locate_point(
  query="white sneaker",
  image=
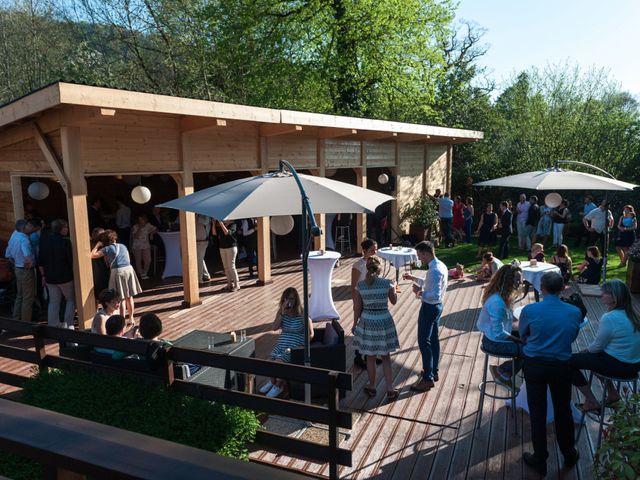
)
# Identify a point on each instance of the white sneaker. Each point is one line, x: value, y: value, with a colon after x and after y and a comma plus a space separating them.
x: 274, y: 392
x: 266, y: 387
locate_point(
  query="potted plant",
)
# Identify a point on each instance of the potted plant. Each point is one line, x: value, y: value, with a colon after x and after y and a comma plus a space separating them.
x: 422, y: 216
x: 633, y: 267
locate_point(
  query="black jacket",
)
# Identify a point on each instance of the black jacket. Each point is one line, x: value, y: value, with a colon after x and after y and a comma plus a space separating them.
x: 506, y: 223
x: 56, y: 259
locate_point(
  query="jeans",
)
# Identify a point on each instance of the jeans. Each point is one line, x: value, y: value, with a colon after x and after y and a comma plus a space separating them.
x: 524, y: 242
x: 503, y: 251
x: 56, y: 292
x: 505, y: 348
x: 446, y: 230
x: 558, y: 229
x: 556, y: 374
x: 428, y: 340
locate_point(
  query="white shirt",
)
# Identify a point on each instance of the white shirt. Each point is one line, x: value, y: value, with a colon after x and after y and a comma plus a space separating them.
x: 203, y: 227
x: 434, y: 283
x: 19, y: 249
x: 523, y: 211
x: 361, y: 266
x: 445, y: 207
x: 496, y: 319
x: 597, y: 217
x: 616, y: 337
x: 246, y: 229
x: 123, y: 217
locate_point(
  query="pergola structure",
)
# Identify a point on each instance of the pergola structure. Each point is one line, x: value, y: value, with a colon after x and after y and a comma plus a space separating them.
x: 73, y: 132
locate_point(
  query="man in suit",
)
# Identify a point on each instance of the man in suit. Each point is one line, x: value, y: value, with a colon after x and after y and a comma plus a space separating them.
x: 506, y: 229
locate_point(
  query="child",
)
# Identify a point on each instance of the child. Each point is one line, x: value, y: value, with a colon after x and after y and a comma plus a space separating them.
x: 115, y: 328
x: 457, y: 273
x: 591, y: 268
x: 536, y: 253
x: 151, y: 327
x: 563, y: 261
x: 141, y: 232
x: 489, y: 266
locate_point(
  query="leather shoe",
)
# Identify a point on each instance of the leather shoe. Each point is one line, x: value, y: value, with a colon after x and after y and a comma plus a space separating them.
x: 422, y: 385
x: 571, y: 461
x: 539, y: 466
x: 435, y: 376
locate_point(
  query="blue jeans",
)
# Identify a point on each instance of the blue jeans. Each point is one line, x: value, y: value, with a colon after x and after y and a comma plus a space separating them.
x: 428, y: 340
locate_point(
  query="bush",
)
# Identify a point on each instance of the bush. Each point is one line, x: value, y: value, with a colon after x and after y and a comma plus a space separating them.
x: 128, y: 403
x: 619, y: 453
x: 422, y: 212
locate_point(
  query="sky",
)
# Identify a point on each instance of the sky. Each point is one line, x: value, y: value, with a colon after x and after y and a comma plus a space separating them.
x: 525, y: 33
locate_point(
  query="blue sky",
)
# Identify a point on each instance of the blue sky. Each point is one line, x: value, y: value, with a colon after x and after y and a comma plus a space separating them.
x: 526, y: 33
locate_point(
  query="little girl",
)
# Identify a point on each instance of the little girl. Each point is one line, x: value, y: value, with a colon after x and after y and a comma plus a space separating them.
x: 141, y: 232
x: 537, y: 252
x: 563, y: 261
x: 457, y: 272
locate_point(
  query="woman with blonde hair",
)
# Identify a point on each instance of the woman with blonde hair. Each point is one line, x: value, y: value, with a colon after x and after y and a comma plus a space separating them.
x: 373, y: 327
x: 496, y: 321
x: 615, y: 352
x: 627, y: 226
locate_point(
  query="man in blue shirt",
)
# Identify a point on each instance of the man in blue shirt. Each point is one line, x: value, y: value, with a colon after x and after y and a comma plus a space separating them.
x: 549, y: 328
x: 445, y: 211
x: 20, y: 253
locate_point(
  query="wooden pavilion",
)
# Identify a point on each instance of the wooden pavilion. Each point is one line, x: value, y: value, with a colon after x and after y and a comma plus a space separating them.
x: 72, y: 133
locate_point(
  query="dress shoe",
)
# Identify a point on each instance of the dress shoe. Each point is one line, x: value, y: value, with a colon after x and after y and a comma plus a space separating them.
x: 539, y: 466
x: 422, y: 385
x: 572, y: 460
x: 435, y: 376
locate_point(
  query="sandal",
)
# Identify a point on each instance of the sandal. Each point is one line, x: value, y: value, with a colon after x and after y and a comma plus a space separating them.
x: 393, y: 394
x: 370, y: 391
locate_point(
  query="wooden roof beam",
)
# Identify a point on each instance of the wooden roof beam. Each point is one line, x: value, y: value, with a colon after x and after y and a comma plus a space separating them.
x: 375, y: 136
x: 274, y: 129
x: 411, y: 137
x: 200, y: 124
x: 51, y: 156
x: 328, y: 132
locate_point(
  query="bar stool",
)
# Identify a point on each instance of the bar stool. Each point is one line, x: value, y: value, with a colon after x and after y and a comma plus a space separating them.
x: 617, y: 382
x: 513, y: 391
x: 343, y: 242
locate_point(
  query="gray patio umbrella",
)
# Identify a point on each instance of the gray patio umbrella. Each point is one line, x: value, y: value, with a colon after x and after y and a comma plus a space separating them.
x: 555, y: 178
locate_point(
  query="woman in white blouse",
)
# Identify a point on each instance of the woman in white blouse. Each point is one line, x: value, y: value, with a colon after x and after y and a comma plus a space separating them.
x: 615, y: 352
x: 496, y: 321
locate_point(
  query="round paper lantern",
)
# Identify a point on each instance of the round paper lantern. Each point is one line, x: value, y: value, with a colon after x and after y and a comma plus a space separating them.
x: 553, y: 200
x: 38, y: 191
x: 141, y: 194
x: 383, y: 179
x: 330, y: 172
x: 281, y: 224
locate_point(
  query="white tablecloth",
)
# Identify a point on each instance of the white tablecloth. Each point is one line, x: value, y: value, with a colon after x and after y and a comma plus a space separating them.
x: 173, y: 256
x: 321, y: 305
x: 534, y: 274
x: 398, y: 258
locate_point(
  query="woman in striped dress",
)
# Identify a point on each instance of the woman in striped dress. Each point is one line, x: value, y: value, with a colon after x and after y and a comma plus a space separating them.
x: 374, y: 329
x: 289, y: 319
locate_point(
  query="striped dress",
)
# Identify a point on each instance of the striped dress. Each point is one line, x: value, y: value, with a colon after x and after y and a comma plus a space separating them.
x: 292, y: 336
x: 376, y: 332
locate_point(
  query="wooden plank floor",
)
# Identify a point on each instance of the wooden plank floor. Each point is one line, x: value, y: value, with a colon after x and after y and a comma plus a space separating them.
x: 420, y: 435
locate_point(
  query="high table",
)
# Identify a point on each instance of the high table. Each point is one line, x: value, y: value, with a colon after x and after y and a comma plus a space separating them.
x: 398, y: 256
x: 172, y: 254
x: 534, y: 274
x: 321, y: 305
x: 219, y: 343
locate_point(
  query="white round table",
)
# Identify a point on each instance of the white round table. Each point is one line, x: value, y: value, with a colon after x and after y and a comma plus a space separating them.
x: 398, y: 256
x: 534, y: 274
x: 321, y: 305
x: 172, y: 254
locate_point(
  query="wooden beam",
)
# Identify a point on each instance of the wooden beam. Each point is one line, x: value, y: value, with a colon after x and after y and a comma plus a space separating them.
x: 188, y: 247
x: 264, y: 223
x: 449, y: 167
x: 411, y: 137
x: 366, y: 136
x: 16, y: 195
x: 78, y: 225
x: 328, y: 132
x: 320, y: 243
x: 200, y: 124
x: 395, y: 214
x: 361, y: 218
x: 52, y: 157
x: 274, y: 129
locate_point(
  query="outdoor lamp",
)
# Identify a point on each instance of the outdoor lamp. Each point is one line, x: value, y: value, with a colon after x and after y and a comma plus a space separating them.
x: 141, y: 194
x: 281, y: 224
x: 38, y: 191
x: 383, y: 179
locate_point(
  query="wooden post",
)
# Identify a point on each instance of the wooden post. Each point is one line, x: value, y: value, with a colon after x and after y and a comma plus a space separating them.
x: 361, y: 218
x: 188, y: 230
x: 78, y: 225
x: 334, y: 432
x: 449, y: 168
x: 425, y: 166
x: 16, y: 195
x: 320, y: 243
x: 264, y: 223
x: 395, y: 214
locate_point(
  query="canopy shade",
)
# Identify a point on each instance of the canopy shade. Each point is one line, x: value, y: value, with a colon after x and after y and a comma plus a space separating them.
x: 277, y: 194
x: 558, y: 179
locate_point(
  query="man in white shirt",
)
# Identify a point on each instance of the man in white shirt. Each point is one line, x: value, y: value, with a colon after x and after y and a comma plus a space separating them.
x: 20, y: 253
x: 445, y: 211
x: 522, y: 210
x: 123, y: 222
x: 431, y: 290
x: 596, y: 222
x: 203, y: 228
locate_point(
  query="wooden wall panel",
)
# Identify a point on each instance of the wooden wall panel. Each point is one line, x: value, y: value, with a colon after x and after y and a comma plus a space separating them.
x: 224, y: 148
x: 411, y: 159
x: 6, y: 209
x: 300, y: 151
x: 380, y: 154
x: 436, y: 168
x: 129, y: 149
x: 342, y: 153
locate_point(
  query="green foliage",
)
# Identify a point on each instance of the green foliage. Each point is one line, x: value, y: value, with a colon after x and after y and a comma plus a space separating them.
x: 619, y: 454
x: 422, y: 212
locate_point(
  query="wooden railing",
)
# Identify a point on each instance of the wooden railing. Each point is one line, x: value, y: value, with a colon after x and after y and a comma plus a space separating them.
x: 329, y: 415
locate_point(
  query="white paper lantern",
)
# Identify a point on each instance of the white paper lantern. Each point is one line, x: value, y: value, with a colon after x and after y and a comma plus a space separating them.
x: 330, y: 172
x: 141, y: 194
x: 383, y: 179
x: 281, y: 224
x: 38, y: 191
x: 553, y: 200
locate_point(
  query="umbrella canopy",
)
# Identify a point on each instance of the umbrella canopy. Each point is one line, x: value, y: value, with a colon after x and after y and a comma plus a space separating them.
x: 277, y: 194
x: 558, y: 179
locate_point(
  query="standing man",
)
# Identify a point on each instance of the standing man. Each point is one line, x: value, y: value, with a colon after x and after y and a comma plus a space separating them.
x: 549, y: 328
x: 96, y: 220
x: 55, y: 261
x: 596, y: 222
x: 583, y: 232
x: 203, y: 228
x: 123, y: 222
x: 506, y: 229
x: 19, y: 252
x: 431, y: 290
x: 522, y: 213
x: 250, y: 241
x: 445, y: 210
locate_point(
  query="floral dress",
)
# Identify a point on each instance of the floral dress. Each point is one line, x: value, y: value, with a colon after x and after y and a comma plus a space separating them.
x: 376, y: 332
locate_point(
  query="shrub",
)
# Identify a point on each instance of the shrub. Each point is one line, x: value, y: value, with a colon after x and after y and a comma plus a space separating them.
x: 128, y: 403
x: 422, y: 212
x: 619, y: 453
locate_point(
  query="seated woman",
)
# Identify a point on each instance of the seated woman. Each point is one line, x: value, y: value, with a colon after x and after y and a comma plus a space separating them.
x: 615, y: 352
x: 488, y: 267
x: 536, y: 253
x: 496, y: 321
x: 289, y: 319
x: 591, y: 268
x: 110, y: 302
x: 563, y: 261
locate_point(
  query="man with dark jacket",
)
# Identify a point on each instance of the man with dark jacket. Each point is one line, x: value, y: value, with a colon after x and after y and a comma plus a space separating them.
x: 506, y: 229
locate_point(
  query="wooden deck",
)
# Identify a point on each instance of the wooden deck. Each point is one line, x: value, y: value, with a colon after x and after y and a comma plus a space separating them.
x: 420, y: 435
